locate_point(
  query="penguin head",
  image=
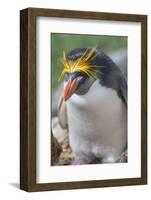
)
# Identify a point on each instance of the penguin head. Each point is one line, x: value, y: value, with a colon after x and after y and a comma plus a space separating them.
x: 82, y: 66
x: 79, y: 71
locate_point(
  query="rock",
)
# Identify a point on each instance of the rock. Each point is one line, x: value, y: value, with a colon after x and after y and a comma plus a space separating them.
x: 123, y: 157
x: 120, y: 58
x: 56, y: 150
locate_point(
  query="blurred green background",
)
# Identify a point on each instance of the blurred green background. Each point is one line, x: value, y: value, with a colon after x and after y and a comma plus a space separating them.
x: 66, y: 42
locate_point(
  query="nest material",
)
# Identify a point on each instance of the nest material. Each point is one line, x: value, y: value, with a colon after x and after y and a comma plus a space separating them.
x: 56, y: 150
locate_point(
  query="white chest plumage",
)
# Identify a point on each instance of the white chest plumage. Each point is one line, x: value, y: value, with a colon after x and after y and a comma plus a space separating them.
x: 97, y: 124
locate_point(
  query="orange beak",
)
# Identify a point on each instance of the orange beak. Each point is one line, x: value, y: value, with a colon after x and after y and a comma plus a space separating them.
x: 71, y: 87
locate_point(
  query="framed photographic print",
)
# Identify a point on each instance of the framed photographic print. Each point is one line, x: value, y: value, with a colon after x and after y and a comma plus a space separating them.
x: 83, y: 99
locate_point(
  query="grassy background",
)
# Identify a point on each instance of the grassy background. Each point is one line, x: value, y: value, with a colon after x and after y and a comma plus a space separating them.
x: 65, y: 42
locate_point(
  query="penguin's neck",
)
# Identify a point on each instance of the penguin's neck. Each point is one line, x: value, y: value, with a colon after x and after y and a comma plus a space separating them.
x: 96, y: 94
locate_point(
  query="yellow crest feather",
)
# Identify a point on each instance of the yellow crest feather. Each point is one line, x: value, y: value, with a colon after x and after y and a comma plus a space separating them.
x: 79, y: 65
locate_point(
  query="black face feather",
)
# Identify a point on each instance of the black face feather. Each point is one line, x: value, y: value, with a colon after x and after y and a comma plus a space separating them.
x: 83, y: 85
x: 106, y: 71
